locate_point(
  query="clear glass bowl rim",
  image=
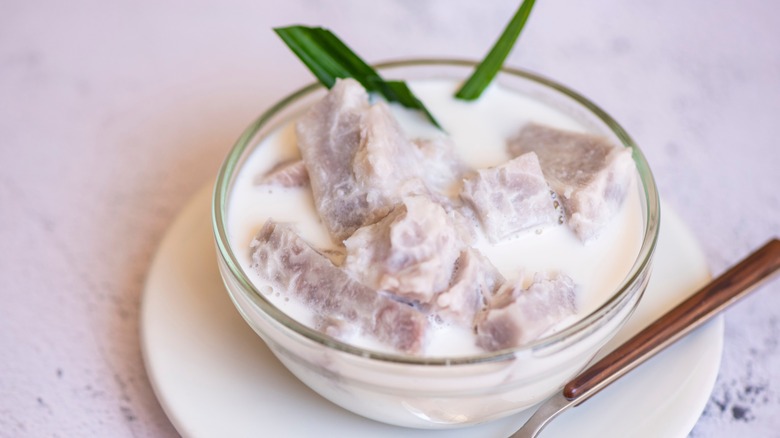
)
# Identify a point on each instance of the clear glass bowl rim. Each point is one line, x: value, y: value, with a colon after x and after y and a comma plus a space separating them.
x: 623, y: 292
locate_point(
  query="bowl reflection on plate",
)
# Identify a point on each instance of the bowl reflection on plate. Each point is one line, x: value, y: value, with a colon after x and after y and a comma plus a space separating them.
x: 436, y: 392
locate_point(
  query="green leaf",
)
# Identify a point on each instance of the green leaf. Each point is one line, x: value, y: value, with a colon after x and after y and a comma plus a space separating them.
x: 486, y: 71
x: 330, y: 59
x: 398, y: 91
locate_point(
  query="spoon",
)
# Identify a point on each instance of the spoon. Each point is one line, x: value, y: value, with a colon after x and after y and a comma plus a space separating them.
x: 673, y: 325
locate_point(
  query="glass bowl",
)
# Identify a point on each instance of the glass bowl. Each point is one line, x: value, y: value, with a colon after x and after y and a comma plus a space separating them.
x: 441, y: 392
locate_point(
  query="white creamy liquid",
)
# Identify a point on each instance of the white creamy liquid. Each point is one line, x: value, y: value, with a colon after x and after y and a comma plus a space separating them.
x: 480, y: 130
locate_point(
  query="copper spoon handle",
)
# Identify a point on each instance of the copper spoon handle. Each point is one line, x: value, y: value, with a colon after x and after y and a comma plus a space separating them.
x: 681, y: 320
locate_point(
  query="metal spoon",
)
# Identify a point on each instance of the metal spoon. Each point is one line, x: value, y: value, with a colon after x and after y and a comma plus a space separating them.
x: 676, y: 323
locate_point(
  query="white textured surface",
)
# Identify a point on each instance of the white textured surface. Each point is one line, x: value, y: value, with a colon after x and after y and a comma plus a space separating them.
x: 113, y: 113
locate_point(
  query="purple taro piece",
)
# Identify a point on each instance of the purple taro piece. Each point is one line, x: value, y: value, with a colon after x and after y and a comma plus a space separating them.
x: 590, y: 174
x: 328, y: 137
x: 290, y: 265
x: 410, y: 253
x: 386, y: 163
x: 473, y: 281
x: 443, y: 170
x: 359, y: 161
x: 516, y: 316
x: 290, y: 173
x: 511, y: 198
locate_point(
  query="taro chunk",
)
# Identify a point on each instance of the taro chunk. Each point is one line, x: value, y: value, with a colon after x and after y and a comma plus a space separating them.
x: 328, y: 136
x: 591, y: 175
x: 443, y: 170
x: 359, y: 162
x: 511, y: 198
x: 386, y: 163
x: 411, y: 253
x: 290, y: 173
x: 340, y: 305
x: 473, y: 280
x: 517, y: 316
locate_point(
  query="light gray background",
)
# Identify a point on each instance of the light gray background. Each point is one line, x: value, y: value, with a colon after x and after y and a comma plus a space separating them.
x: 112, y: 114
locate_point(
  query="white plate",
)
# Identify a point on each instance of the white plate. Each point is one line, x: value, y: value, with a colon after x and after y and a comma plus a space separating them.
x: 215, y: 377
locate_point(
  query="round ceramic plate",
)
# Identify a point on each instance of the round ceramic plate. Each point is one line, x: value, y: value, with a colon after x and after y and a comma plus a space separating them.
x: 215, y: 377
